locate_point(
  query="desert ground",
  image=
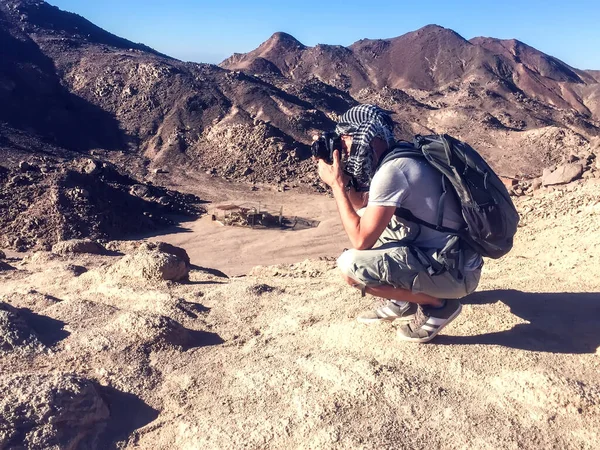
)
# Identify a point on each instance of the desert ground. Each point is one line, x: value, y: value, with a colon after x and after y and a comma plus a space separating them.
x: 259, y: 348
x: 204, y: 336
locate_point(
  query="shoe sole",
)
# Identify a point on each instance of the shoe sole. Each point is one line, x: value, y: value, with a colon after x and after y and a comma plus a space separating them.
x: 368, y: 321
x: 434, y: 334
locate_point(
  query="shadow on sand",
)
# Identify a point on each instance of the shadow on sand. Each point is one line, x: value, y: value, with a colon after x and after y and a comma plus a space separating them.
x: 127, y: 413
x: 48, y: 330
x: 213, y: 272
x: 199, y: 338
x: 558, y: 322
x: 5, y: 266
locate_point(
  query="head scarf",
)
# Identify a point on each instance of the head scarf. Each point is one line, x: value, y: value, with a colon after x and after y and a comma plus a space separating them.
x: 363, y: 123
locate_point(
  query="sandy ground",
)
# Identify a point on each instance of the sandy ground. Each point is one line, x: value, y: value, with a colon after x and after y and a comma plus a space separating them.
x: 236, y: 250
x: 274, y: 359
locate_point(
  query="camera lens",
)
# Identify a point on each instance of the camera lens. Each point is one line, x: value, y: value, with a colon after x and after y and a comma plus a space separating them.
x: 324, y: 146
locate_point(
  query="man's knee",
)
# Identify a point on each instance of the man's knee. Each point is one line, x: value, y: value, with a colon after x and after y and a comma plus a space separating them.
x: 347, y: 263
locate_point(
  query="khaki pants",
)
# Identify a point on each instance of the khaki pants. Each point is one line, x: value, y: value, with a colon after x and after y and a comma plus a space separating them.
x: 393, y: 261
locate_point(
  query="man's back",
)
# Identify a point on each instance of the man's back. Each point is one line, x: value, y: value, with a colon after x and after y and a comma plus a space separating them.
x: 413, y: 184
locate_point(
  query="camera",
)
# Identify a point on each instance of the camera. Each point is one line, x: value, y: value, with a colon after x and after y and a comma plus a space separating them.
x: 323, y: 147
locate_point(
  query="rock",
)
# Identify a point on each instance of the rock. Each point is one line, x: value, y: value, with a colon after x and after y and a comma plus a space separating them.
x: 15, y: 333
x: 572, y: 158
x: 2, y: 255
x: 24, y: 166
x: 19, y: 244
x: 41, y: 257
x: 160, y: 171
x: 75, y: 269
x: 156, y: 331
x: 536, y: 184
x: 563, y: 174
x: 585, y: 157
x: 77, y: 246
x: 166, y: 248
x: 50, y: 411
x: 122, y: 246
x: 508, y: 182
x: 31, y: 300
x: 152, y: 265
x: 139, y: 190
x: 259, y: 289
x: 21, y: 180
x: 91, y: 167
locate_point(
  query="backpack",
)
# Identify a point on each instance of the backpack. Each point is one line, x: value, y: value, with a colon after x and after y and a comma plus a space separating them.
x: 487, y: 208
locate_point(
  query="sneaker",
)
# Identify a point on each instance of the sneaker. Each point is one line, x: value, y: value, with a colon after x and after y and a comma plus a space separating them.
x: 388, y: 312
x: 428, y: 322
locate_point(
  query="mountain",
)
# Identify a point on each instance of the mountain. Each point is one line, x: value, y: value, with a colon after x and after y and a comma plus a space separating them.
x: 523, y: 109
x: 70, y: 90
x: 82, y: 89
x: 430, y: 58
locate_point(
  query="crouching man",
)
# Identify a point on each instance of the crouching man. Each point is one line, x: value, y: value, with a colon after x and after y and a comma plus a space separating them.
x: 401, y: 262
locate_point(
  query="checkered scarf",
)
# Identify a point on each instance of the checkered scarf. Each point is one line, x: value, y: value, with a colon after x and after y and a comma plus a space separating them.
x: 363, y: 123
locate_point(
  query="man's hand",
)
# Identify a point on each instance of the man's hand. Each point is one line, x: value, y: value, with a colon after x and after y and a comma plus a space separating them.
x: 332, y: 174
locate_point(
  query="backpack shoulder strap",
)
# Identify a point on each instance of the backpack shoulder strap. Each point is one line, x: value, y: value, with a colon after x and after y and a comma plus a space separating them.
x: 402, y: 149
x: 404, y: 213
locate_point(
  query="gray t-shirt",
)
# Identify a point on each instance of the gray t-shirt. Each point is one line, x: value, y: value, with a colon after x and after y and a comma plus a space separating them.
x: 413, y: 184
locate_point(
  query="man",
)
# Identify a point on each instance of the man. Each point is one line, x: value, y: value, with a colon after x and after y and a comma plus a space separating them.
x: 392, y: 258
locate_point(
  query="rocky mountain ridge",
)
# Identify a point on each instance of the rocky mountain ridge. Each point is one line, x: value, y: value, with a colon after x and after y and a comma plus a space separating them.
x: 70, y: 90
x: 503, y: 96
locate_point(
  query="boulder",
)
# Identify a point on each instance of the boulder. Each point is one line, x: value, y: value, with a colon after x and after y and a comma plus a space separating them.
x: 50, y: 411
x: 153, y: 265
x: 166, y: 248
x: 77, y: 246
x: 139, y: 190
x: 509, y: 183
x: 91, y: 167
x: 15, y: 333
x: 562, y: 175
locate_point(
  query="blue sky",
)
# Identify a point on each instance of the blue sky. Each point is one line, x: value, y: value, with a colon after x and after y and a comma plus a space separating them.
x: 210, y: 31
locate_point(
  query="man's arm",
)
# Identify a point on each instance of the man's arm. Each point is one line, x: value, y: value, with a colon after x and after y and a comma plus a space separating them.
x: 364, y: 231
x: 357, y: 199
